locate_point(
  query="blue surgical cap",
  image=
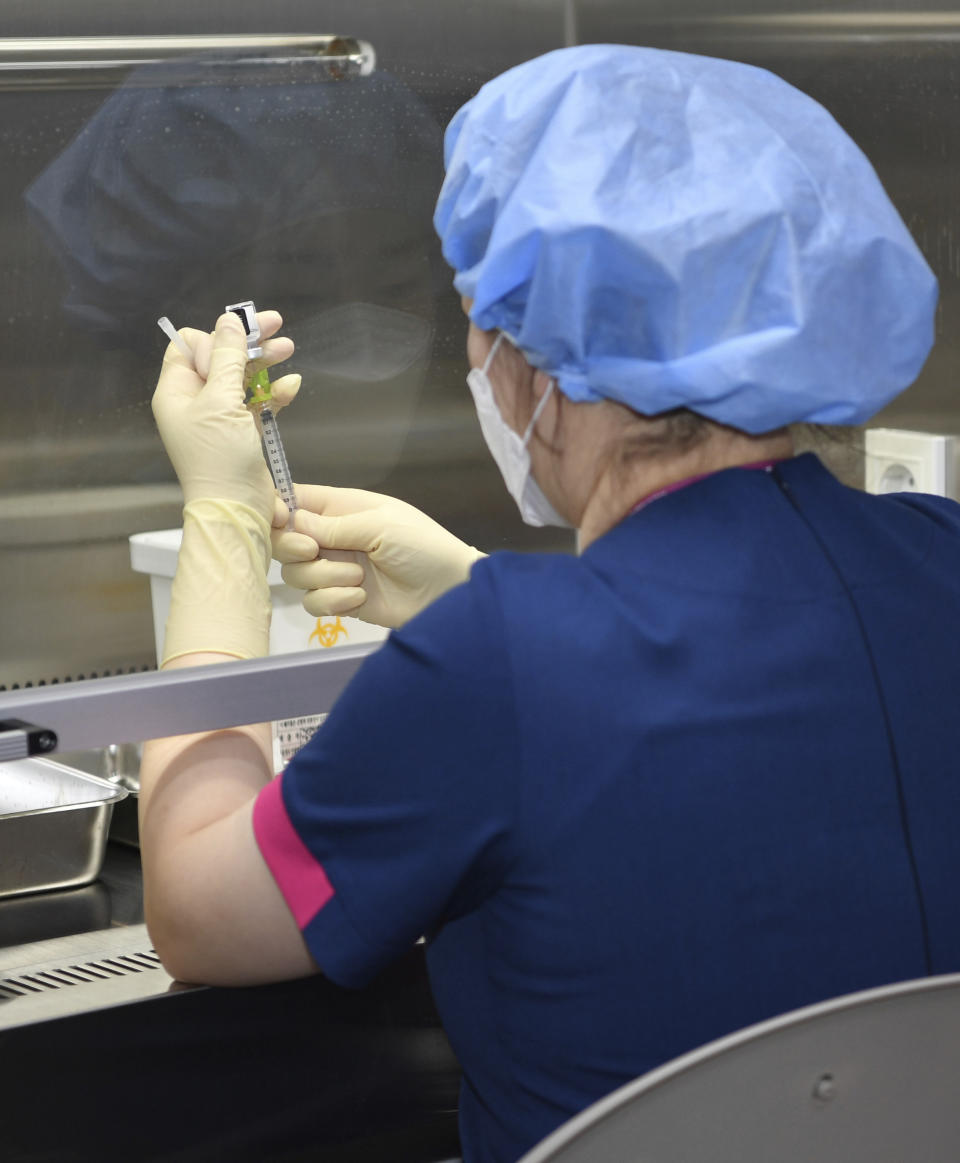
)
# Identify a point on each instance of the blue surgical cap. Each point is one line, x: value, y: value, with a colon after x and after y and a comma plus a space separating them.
x: 669, y: 230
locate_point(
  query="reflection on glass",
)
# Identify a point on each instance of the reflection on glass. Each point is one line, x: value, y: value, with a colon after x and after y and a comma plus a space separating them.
x: 179, y: 196
x: 191, y: 186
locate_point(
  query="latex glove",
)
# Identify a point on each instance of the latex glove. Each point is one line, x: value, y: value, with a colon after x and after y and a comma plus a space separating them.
x: 220, y: 602
x: 220, y: 599
x: 367, y: 555
x: 209, y: 434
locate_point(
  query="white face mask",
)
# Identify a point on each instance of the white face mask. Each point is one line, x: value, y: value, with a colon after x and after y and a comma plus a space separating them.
x: 508, y: 449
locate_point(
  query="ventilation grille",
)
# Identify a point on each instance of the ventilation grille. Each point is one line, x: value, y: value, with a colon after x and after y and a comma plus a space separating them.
x: 80, y: 676
x: 103, y: 969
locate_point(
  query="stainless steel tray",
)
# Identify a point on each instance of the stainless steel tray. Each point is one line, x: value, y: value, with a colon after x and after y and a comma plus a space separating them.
x: 53, y: 825
x: 120, y: 765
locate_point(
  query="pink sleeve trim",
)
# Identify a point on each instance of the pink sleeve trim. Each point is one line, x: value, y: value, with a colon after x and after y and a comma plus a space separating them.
x: 299, y: 876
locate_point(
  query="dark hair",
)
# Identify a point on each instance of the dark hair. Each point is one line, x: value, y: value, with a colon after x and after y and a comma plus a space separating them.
x: 678, y: 430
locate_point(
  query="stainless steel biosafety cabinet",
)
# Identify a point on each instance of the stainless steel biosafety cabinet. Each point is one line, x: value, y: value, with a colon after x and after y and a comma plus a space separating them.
x: 166, y: 160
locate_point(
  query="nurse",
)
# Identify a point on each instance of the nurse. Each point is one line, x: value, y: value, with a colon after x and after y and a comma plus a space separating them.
x: 700, y: 773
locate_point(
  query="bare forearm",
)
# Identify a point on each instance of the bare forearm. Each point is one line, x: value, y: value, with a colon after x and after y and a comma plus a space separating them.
x: 192, y: 784
x: 188, y: 781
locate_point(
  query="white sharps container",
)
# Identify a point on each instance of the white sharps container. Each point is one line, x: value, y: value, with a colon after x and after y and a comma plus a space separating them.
x: 291, y: 629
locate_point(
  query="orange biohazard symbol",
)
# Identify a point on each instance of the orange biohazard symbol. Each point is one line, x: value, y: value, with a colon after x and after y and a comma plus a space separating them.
x: 327, y: 633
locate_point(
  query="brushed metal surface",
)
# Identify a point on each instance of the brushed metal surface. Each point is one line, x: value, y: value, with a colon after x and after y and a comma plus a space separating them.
x: 53, y: 825
x: 118, y: 763
x: 52, y: 979
x: 73, y: 607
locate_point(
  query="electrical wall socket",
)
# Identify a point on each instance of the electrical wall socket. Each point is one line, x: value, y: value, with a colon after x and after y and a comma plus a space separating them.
x: 898, y: 461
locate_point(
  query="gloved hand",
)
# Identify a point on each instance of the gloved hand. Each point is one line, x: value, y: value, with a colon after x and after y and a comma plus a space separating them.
x: 367, y: 555
x: 209, y: 434
x: 220, y: 601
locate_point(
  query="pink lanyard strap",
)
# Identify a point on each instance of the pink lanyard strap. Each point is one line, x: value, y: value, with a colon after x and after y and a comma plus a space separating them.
x: 760, y: 465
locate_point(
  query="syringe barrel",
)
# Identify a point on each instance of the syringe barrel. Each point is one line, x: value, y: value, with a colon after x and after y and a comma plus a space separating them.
x: 276, y: 459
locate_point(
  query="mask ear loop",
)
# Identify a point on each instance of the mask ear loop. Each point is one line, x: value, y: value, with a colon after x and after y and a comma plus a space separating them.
x: 528, y: 433
x: 492, y: 352
x: 536, y: 413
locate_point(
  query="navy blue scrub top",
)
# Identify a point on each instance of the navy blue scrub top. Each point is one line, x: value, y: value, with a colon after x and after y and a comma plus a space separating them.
x: 699, y: 776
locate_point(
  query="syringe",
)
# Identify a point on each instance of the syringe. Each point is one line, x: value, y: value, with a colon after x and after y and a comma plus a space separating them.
x: 261, y: 400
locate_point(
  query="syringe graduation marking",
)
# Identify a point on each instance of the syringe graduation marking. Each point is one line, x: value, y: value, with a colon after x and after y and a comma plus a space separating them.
x: 277, y: 460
